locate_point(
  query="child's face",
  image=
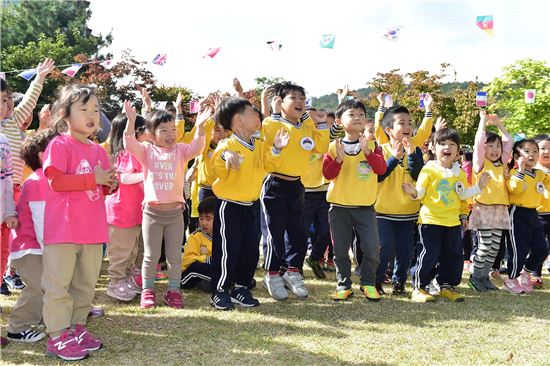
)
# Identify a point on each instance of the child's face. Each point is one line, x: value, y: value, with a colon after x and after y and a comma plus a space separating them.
x: 218, y: 134
x: 10, y: 105
x: 530, y: 152
x: 165, y: 135
x: 369, y: 131
x: 206, y: 222
x: 3, y: 105
x: 402, y: 127
x: 83, y: 118
x: 293, y: 105
x: 544, y: 153
x: 248, y: 121
x: 353, y: 120
x: 493, y: 150
x: 446, y: 152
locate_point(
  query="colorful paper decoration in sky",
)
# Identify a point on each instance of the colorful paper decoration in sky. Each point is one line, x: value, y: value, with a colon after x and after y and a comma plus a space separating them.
x: 27, y: 74
x: 327, y: 41
x: 485, y: 22
x: 194, y: 106
x: 160, y: 59
x: 530, y: 96
x: 71, y: 70
x: 108, y: 64
x: 212, y: 52
x: 392, y: 34
x: 481, y: 99
x: 275, y: 46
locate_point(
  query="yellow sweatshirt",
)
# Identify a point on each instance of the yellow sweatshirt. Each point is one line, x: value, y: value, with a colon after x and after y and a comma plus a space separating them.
x: 197, y: 249
x: 528, y: 189
x: 422, y: 134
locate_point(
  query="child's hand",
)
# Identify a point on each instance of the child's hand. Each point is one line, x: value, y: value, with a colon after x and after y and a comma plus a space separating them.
x: 281, y: 139
x: 276, y: 104
x: 44, y: 68
x: 322, y: 116
x: 340, y: 153
x: 216, y: 99
x: 232, y: 160
x: 521, y: 163
x: 12, y: 222
x: 146, y: 98
x: 483, y: 118
x: 484, y: 180
x: 45, y: 116
x: 265, y: 95
x: 493, y: 120
x: 464, y: 223
x: 364, y: 143
x: 342, y: 93
x: 440, y: 123
x: 409, y: 189
x: 178, y: 103
x: 105, y: 177
x: 381, y: 98
x: 202, y: 117
x: 190, y: 174
x: 428, y: 101
x: 397, y: 150
x: 408, y: 146
x: 238, y: 87
x: 131, y: 115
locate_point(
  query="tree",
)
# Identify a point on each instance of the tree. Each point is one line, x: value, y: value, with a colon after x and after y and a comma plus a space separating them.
x: 508, y: 93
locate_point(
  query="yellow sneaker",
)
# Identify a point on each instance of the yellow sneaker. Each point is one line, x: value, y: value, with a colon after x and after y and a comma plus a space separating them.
x: 451, y: 295
x: 342, y: 295
x: 420, y: 295
x: 371, y: 293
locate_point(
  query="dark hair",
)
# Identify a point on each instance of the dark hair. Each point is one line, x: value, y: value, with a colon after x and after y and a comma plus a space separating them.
x: 66, y: 97
x: 228, y: 108
x: 446, y: 134
x: 157, y: 118
x: 388, y: 118
x: 284, y: 88
x: 492, y: 137
x: 468, y: 155
x: 350, y: 104
x: 519, y: 145
x: 35, y: 144
x: 542, y: 137
x: 117, y: 132
x: 207, y: 206
x: 4, y: 86
x: 331, y: 114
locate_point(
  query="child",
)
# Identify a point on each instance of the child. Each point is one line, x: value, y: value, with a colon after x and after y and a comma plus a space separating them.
x: 205, y: 175
x: 75, y: 222
x: 441, y: 185
x: 396, y: 213
x: 527, y: 188
x: 352, y: 166
x: 164, y: 162
x: 283, y: 193
x: 490, y: 209
x: 197, y: 253
x: 26, y: 246
x: 544, y: 210
x: 124, y: 213
x: 240, y: 163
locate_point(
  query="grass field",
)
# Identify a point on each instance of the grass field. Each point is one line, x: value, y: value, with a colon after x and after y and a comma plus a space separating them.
x: 487, y: 329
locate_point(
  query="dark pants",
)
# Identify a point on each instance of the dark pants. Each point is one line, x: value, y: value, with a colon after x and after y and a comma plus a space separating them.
x: 396, y: 237
x: 527, y: 247
x: 504, y: 239
x: 196, y: 272
x: 439, y: 244
x: 205, y: 193
x: 545, y: 221
x: 283, y: 209
x: 316, y: 213
x: 235, y: 242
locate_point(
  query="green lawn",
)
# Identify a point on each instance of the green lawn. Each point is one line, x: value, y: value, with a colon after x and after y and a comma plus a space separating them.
x: 487, y: 329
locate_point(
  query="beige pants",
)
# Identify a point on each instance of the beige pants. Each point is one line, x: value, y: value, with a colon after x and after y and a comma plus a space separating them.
x: 122, y: 251
x: 137, y: 255
x: 28, y: 308
x: 69, y: 277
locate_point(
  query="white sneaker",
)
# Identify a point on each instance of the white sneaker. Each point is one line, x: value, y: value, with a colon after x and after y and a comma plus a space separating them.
x: 433, y: 288
x: 120, y: 291
x: 275, y: 286
x: 294, y: 281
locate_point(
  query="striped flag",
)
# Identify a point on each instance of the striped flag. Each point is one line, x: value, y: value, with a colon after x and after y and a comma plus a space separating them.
x: 327, y: 41
x: 485, y: 22
x: 159, y: 59
x: 212, y: 52
x: 392, y: 34
x: 71, y: 70
x: 27, y: 74
x: 108, y: 64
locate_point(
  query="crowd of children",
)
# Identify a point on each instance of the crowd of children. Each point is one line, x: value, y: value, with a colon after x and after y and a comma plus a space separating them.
x: 336, y: 180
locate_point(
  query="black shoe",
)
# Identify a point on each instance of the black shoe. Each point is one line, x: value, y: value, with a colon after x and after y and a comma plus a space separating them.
x: 398, y: 289
x: 4, y: 290
x: 242, y: 296
x: 252, y: 285
x: 315, y: 267
x: 380, y: 288
x: 222, y: 301
x: 14, y: 281
x: 204, y: 286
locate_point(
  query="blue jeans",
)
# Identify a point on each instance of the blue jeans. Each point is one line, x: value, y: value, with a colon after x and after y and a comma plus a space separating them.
x: 396, y: 237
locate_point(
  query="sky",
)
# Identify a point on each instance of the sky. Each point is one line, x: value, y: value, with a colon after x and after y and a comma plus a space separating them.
x: 432, y: 32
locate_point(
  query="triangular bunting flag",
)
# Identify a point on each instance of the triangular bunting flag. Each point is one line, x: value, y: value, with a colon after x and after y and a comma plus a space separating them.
x: 275, y: 46
x: 159, y: 59
x: 327, y: 41
x: 212, y: 52
x: 392, y: 34
x: 485, y: 22
x: 71, y: 70
x: 108, y: 64
x: 27, y: 74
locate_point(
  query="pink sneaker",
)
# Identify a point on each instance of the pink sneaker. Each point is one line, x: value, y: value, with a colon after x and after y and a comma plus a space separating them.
x: 525, y: 281
x: 173, y: 299
x: 513, y: 285
x: 85, y: 339
x: 137, y: 278
x: 66, y: 347
x: 148, y: 299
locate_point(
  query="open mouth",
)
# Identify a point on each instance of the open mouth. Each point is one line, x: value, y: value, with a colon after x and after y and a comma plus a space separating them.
x: 298, y: 109
x: 447, y: 154
x: 90, y: 124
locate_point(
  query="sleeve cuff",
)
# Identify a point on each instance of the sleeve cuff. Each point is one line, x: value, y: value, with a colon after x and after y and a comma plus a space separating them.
x: 520, y: 175
x: 274, y: 150
x: 428, y: 115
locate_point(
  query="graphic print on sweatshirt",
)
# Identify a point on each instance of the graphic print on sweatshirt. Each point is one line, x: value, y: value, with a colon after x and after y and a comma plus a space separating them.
x: 163, y: 171
x: 84, y: 167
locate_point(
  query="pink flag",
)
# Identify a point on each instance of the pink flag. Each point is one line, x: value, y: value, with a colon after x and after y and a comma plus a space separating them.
x: 194, y: 106
x: 212, y: 52
x: 108, y: 64
x: 71, y: 70
x: 160, y: 59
